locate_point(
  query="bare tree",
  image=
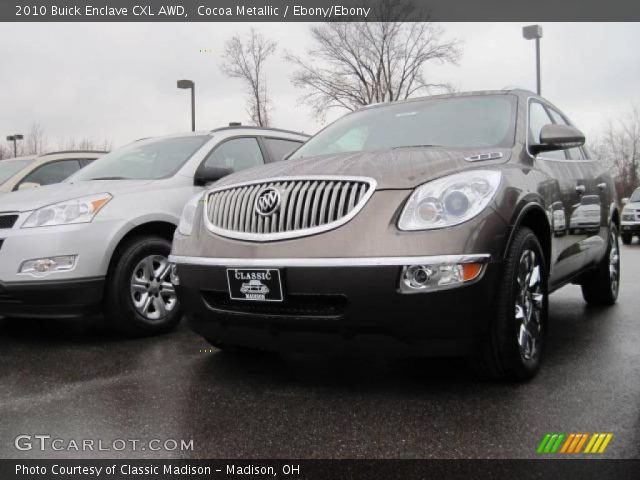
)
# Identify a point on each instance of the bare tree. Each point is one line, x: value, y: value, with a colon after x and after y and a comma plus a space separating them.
x: 35, y: 141
x: 84, y: 144
x: 619, y: 147
x: 5, y: 152
x: 245, y: 60
x: 353, y: 64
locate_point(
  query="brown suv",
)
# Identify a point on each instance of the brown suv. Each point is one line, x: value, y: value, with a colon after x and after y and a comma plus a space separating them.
x: 430, y: 226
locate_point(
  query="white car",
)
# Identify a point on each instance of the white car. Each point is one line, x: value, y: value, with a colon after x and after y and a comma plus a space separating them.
x: 102, y: 238
x: 22, y: 173
x: 586, y: 215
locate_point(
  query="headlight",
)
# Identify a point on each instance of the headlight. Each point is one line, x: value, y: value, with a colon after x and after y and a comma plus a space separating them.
x: 450, y: 200
x: 185, y: 227
x: 78, y: 210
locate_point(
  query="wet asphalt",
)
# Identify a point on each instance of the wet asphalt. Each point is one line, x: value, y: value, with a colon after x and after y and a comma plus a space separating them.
x: 74, y: 380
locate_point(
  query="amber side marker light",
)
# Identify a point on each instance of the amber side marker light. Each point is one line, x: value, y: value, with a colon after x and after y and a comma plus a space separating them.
x: 471, y: 271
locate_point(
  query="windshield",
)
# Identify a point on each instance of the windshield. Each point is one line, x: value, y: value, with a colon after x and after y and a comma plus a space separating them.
x: 9, y: 168
x: 457, y: 122
x: 144, y: 160
x: 635, y: 196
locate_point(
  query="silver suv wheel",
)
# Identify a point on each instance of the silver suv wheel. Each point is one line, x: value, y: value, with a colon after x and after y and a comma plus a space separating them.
x: 152, y: 292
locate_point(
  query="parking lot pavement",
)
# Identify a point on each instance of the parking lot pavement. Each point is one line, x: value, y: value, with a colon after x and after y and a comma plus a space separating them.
x: 74, y: 381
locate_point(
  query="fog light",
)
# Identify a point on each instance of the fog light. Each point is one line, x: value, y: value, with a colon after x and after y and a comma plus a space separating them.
x: 41, y: 266
x: 418, y: 278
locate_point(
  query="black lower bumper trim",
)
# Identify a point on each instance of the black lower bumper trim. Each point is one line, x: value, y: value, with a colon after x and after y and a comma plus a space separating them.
x: 52, y: 299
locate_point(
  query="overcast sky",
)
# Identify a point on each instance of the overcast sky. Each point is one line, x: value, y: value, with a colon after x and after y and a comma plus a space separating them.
x: 117, y: 81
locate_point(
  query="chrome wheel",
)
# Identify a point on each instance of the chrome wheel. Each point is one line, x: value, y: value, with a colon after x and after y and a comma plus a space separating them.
x: 152, y: 292
x: 529, y: 304
x: 614, y: 264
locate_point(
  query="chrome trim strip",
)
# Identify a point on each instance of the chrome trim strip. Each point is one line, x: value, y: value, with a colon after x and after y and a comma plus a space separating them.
x: 330, y: 262
x: 303, y: 232
x: 484, y: 156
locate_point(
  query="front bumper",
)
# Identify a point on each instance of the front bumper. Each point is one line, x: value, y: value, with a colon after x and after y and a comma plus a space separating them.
x: 57, y: 299
x: 630, y: 228
x: 59, y: 294
x: 337, y: 305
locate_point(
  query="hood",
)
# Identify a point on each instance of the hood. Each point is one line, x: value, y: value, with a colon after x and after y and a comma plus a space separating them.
x: 394, y: 168
x: 32, y: 199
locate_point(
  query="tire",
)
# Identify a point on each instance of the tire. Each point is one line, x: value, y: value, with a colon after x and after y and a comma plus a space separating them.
x: 601, y: 287
x: 626, y: 238
x: 514, y: 346
x: 140, y: 299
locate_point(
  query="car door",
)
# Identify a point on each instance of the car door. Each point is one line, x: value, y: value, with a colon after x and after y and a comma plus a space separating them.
x: 562, y: 195
x: 51, y: 173
x: 592, y: 211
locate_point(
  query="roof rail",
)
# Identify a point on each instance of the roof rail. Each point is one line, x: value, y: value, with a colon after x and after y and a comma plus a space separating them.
x: 249, y: 127
x: 73, y: 151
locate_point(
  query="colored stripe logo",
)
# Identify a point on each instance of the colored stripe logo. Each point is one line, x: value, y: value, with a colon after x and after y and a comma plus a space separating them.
x: 574, y: 443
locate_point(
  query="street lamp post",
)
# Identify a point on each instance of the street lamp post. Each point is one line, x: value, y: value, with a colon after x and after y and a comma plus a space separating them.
x: 188, y: 84
x: 14, y: 138
x: 532, y: 32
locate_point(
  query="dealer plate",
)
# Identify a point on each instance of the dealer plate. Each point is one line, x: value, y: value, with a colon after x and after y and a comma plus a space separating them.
x: 254, y: 285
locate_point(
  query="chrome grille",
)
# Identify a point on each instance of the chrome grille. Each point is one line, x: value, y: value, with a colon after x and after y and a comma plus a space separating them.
x: 307, y: 206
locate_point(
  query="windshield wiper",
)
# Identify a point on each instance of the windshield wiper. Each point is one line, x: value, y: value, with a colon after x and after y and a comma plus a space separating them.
x: 426, y: 145
x: 109, y: 178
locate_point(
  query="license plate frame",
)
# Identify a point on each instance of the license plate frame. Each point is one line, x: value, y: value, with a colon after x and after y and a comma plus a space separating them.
x: 255, y: 284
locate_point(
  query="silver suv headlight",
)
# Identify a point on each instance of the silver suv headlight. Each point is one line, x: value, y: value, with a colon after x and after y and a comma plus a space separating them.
x: 185, y: 227
x: 449, y: 200
x: 78, y: 210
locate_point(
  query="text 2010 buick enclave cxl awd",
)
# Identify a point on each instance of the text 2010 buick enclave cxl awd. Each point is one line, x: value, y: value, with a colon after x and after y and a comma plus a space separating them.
x: 430, y: 226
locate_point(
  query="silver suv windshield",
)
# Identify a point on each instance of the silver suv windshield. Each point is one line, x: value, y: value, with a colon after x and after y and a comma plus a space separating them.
x: 143, y: 160
x: 477, y: 121
x: 9, y: 168
x: 635, y: 196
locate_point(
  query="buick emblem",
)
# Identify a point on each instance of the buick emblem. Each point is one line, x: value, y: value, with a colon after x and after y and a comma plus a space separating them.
x: 268, y: 202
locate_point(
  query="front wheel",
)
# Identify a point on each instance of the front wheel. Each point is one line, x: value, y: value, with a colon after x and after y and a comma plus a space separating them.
x: 601, y: 286
x: 513, y: 349
x: 140, y: 298
x: 626, y: 238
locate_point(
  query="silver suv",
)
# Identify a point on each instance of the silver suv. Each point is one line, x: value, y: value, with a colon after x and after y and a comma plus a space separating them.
x: 102, y: 238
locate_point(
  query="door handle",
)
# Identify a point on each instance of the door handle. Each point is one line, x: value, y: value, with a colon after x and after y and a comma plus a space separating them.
x: 581, y: 189
x: 602, y: 186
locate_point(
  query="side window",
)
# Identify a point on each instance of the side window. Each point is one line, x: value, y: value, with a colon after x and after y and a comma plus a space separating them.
x: 54, y: 172
x: 279, y: 148
x: 237, y: 153
x: 538, y: 118
x: 557, y: 118
x: 85, y: 161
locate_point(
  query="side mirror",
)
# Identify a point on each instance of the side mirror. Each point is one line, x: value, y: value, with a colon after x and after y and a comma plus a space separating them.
x: 625, y: 200
x: 558, y: 137
x: 207, y: 175
x: 28, y: 185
